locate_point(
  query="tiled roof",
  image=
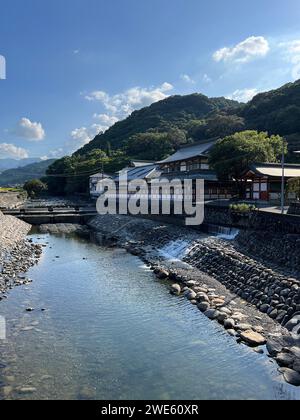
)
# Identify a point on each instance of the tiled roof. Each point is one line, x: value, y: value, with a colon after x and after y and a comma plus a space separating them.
x: 275, y: 170
x: 188, y: 152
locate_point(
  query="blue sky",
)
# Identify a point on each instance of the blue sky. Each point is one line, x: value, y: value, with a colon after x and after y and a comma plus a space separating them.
x: 74, y: 67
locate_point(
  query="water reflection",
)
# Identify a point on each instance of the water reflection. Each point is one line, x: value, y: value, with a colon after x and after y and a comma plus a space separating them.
x: 112, y: 331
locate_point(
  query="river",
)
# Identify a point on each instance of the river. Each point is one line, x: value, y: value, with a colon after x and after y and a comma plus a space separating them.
x: 103, y: 327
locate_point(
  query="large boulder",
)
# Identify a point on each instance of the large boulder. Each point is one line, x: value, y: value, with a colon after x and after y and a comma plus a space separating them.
x: 253, y: 338
x: 294, y: 322
x: 291, y: 376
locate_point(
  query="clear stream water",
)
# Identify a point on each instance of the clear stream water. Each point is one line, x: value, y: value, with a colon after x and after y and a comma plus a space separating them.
x: 112, y: 331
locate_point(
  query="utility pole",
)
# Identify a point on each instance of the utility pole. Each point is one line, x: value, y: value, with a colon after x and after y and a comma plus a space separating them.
x: 283, y: 177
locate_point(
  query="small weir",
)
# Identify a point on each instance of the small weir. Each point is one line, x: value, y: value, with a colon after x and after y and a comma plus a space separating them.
x: 222, y: 232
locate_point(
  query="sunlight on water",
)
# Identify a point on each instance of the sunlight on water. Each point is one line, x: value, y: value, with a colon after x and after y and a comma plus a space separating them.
x: 110, y: 330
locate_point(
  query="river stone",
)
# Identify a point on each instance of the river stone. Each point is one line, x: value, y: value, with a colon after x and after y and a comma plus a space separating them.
x: 232, y: 333
x: 222, y: 317
x: 204, y: 306
x: 27, y: 390
x: 293, y: 323
x: 285, y: 360
x: 212, y: 314
x: 226, y: 311
x: 291, y: 376
x: 273, y: 314
x: 253, y: 338
x: 295, y: 351
x: 176, y: 289
x: 229, y: 324
x: 6, y: 391
x: 190, y: 295
x: 243, y: 327
x: 162, y: 274
x: 296, y: 365
x: 218, y: 302
x: 202, y: 297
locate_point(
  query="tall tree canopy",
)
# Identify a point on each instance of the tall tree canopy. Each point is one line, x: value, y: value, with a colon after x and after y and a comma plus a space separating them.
x: 233, y: 155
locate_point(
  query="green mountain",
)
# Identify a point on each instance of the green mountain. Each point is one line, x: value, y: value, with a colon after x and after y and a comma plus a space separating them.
x: 277, y: 112
x: 200, y: 117
x: 19, y: 176
x: 155, y: 132
x: 162, y: 116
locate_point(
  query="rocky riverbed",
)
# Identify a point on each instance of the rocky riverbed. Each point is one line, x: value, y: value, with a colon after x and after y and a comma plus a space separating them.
x: 17, y: 254
x: 257, y: 303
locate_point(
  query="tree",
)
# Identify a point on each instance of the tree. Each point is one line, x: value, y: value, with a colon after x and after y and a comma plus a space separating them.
x: 71, y: 174
x: 294, y: 187
x: 232, y: 156
x: 34, y: 187
x: 150, y: 146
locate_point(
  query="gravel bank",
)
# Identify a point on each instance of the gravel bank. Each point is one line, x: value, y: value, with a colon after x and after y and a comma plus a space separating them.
x: 17, y: 254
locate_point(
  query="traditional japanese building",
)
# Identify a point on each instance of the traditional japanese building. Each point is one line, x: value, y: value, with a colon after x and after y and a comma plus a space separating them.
x: 265, y: 179
x: 95, y: 184
x: 192, y: 162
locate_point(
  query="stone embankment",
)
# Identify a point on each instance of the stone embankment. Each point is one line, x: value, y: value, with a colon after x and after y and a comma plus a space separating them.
x: 11, y: 200
x: 282, y: 250
x: 17, y: 254
x: 256, y: 302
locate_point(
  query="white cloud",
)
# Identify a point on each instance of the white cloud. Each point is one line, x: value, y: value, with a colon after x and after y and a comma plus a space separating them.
x: 54, y: 154
x: 12, y: 151
x: 83, y: 135
x: 32, y: 131
x: 292, y: 53
x: 250, y: 48
x: 186, y: 78
x: 243, y: 95
x: 124, y: 103
x: 106, y: 120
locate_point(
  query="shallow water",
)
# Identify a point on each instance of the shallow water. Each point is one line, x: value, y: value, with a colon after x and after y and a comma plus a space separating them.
x: 112, y: 331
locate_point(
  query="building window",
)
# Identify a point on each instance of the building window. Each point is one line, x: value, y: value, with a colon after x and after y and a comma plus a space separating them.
x: 183, y: 167
x: 205, y: 166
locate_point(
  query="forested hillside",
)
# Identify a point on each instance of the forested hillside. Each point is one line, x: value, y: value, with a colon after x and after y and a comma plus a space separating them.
x: 155, y: 132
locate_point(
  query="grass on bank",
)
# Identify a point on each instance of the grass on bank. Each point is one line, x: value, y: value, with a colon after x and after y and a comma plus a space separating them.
x: 8, y: 189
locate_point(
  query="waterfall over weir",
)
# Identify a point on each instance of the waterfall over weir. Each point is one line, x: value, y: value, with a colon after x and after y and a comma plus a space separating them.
x: 223, y: 232
x: 175, y: 250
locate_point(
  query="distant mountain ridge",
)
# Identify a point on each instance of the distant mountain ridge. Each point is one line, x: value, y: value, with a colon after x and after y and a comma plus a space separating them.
x: 14, y: 163
x: 18, y: 176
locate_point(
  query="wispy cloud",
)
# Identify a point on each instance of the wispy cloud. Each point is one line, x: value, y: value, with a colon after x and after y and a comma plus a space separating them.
x: 106, y: 120
x: 8, y: 150
x: 83, y: 135
x: 243, y: 95
x: 292, y: 54
x: 124, y: 103
x: 249, y: 49
x: 188, y: 79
